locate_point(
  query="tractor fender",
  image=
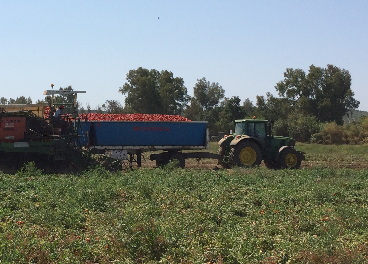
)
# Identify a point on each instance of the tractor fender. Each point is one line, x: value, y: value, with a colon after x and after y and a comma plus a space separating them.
x: 225, y: 140
x: 302, y: 154
x: 280, y: 150
x: 236, y: 141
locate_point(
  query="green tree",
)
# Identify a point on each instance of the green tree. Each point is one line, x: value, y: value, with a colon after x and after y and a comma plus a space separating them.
x: 273, y: 108
x: 206, y: 103
x: 3, y: 100
x: 324, y: 93
x: 154, y: 92
x: 230, y: 111
x: 208, y: 95
x: 194, y: 111
x: 301, y: 127
x: 113, y: 107
x: 248, y: 108
x: 23, y: 100
x: 173, y: 93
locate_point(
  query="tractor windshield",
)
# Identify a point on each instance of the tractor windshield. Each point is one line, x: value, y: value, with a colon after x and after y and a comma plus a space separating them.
x: 239, y: 128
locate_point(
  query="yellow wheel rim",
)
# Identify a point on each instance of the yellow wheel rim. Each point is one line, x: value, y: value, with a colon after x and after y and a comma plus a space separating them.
x: 291, y: 160
x: 248, y: 156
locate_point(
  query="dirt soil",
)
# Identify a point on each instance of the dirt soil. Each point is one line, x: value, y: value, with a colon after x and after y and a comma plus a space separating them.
x: 11, y: 166
x: 306, y: 164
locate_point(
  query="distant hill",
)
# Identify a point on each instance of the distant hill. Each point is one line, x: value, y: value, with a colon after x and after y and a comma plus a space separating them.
x: 354, y: 116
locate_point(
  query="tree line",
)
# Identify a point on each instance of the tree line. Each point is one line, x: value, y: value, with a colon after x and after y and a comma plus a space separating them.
x: 305, y: 101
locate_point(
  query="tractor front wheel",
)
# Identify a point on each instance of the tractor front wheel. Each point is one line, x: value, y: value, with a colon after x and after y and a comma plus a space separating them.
x: 246, y: 154
x: 290, y: 159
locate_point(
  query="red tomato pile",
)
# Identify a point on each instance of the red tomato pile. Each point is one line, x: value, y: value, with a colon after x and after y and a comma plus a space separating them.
x: 126, y: 117
x: 132, y: 117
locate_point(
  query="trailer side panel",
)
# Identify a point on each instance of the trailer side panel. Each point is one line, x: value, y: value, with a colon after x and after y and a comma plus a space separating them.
x: 143, y: 133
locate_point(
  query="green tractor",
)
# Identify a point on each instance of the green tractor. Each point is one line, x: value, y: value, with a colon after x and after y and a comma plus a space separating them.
x: 253, y: 142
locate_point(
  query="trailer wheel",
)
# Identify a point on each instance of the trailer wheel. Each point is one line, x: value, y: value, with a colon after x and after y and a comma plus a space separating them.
x: 290, y: 159
x: 246, y: 154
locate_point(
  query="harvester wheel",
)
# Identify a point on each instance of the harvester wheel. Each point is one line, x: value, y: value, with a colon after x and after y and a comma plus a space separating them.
x: 290, y: 159
x: 246, y: 154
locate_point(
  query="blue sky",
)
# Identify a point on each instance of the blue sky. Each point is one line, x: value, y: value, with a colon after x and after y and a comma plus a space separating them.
x: 243, y: 45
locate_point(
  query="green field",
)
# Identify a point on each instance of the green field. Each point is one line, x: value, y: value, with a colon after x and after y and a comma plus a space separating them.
x: 317, y: 214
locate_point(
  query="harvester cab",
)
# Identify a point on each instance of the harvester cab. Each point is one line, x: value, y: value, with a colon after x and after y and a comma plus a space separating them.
x: 252, y: 142
x: 62, y: 125
x: 72, y: 104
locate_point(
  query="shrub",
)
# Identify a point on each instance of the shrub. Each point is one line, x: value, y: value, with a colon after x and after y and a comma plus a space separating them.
x: 301, y: 127
x: 354, y: 133
x: 331, y: 134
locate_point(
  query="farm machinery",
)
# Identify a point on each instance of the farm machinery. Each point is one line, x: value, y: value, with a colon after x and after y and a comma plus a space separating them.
x: 30, y: 132
x: 253, y: 142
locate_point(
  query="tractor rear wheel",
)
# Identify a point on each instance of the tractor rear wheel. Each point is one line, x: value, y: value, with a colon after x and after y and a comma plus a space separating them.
x: 290, y: 159
x: 246, y: 154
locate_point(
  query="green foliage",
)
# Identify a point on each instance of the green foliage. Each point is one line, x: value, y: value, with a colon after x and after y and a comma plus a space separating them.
x: 205, y: 104
x: 322, y: 95
x: 19, y: 100
x: 179, y: 216
x: 273, y: 108
x: 113, y: 107
x: 301, y: 127
x: 280, y: 127
x: 230, y: 111
x: 208, y: 95
x: 324, y: 92
x: 352, y: 133
x: 331, y: 134
x: 298, y: 126
x: 154, y: 92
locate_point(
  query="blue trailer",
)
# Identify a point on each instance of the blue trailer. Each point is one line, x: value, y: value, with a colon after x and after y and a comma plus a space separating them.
x: 119, y: 139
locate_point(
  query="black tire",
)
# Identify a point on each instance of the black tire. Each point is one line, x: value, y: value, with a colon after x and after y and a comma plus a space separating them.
x: 289, y: 159
x: 246, y: 154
